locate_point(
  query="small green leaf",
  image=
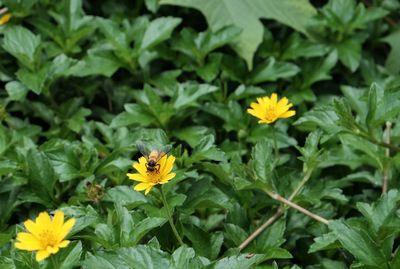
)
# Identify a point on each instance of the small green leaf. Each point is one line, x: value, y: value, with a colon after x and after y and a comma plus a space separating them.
x: 271, y: 70
x: 16, y: 91
x: 23, y: 45
x: 70, y: 256
x: 159, y: 30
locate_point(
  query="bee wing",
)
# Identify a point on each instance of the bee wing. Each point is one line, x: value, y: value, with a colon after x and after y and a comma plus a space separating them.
x: 143, y: 149
x: 163, y: 151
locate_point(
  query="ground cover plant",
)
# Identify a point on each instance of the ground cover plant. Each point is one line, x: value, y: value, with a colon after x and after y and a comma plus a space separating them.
x: 199, y: 134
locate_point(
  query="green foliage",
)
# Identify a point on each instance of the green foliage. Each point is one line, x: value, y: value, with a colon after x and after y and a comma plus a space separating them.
x: 84, y: 81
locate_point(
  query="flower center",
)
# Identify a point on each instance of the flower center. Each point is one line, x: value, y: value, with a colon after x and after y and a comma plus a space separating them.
x: 270, y: 114
x: 154, y: 176
x: 47, y: 238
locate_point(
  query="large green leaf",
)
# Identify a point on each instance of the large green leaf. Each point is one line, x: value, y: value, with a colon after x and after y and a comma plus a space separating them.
x: 359, y: 243
x: 246, y: 14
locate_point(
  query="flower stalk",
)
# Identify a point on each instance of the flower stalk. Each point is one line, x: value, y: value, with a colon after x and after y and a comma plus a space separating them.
x: 281, y: 199
x: 281, y: 209
x: 171, y: 221
x: 386, y: 139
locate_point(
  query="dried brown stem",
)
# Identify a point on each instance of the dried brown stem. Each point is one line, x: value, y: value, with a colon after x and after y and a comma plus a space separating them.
x: 386, y: 138
x: 281, y: 199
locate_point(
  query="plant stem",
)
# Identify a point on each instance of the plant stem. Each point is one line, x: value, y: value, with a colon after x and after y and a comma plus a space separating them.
x: 386, y: 139
x: 54, y: 262
x: 275, y: 144
x: 277, y: 214
x: 260, y: 229
x: 171, y: 222
x: 281, y: 199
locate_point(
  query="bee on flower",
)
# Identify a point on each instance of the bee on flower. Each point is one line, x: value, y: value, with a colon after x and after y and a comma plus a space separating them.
x: 269, y: 109
x: 45, y: 235
x: 153, y: 168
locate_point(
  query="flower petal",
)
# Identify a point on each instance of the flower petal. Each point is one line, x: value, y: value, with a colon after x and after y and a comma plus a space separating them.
x: 27, y: 242
x: 32, y: 227
x: 287, y: 114
x: 141, y: 166
x: 43, y: 220
x: 66, y: 228
x: 169, y: 164
x: 167, y: 178
x: 41, y: 255
x: 274, y: 99
x: 142, y: 186
x: 58, y: 222
x: 63, y: 243
x: 138, y: 177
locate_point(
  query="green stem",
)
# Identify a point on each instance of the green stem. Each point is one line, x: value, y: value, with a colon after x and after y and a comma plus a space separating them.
x: 54, y: 262
x: 275, y: 143
x: 301, y: 184
x: 278, y: 213
x: 171, y: 222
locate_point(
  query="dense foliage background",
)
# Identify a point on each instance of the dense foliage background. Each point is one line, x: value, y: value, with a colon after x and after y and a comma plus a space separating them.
x: 84, y: 80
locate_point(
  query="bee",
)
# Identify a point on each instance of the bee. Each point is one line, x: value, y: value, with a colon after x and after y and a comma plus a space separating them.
x: 153, y: 155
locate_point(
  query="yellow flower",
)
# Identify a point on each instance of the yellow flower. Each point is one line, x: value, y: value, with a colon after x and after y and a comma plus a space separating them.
x: 268, y: 109
x: 45, y: 235
x: 5, y: 18
x: 148, y: 179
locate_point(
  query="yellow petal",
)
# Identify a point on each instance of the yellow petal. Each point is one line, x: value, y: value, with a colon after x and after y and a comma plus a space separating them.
x: 52, y: 250
x: 141, y: 166
x: 167, y: 178
x: 41, y: 255
x: 283, y: 102
x: 162, y: 162
x: 58, y: 222
x: 143, y: 186
x: 43, y: 220
x: 274, y: 99
x: 66, y: 228
x: 32, y: 227
x: 255, y: 113
x: 287, y: 114
x: 5, y: 18
x: 63, y: 243
x: 27, y: 242
x: 169, y: 164
x: 137, y: 177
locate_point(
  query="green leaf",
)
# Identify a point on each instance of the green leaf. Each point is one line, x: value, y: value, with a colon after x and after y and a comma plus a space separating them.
x: 78, y: 119
x: 237, y: 262
x: 326, y: 241
x: 143, y: 227
x: 41, y: 173
x: 125, y: 196
x: 184, y: 257
x: 205, y: 244
x: 206, y: 150
x: 23, y: 45
x: 245, y: 15
x: 70, y: 256
x: 35, y: 81
x: 359, y: 243
x: 159, y: 30
x: 188, y: 94
x: 349, y: 53
x: 104, y: 261
x: 392, y: 63
x: 144, y: 257
x: 272, y: 71
x: 379, y: 213
x: 16, y: 91
x: 262, y: 161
